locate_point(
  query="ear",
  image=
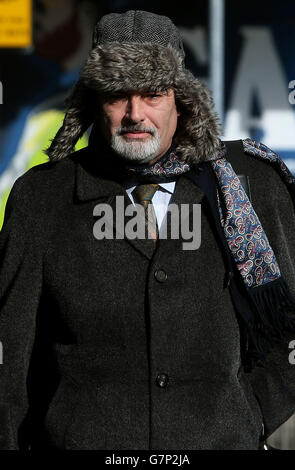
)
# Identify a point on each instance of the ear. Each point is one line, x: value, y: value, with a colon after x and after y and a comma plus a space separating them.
x: 178, y: 113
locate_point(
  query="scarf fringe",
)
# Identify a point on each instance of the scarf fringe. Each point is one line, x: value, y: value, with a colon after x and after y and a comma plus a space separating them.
x: 274, y: 309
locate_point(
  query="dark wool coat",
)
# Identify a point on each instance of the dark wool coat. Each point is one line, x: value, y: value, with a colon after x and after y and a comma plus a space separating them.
x: 106, y: 346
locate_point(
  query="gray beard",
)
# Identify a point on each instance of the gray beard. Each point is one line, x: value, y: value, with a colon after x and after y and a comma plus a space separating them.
x: 141, y: 152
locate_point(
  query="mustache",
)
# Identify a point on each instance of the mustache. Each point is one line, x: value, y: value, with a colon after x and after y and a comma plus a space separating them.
x: 124, y: 129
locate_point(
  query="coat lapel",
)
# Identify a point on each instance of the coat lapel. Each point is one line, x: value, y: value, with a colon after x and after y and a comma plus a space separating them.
x: 90, y: 186
x: 186, y: 193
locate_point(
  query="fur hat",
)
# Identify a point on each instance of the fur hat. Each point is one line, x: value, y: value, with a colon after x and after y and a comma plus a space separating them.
x: 140, y: 51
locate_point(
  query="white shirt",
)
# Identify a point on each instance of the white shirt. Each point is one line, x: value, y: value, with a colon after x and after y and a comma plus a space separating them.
x: 160, y: 200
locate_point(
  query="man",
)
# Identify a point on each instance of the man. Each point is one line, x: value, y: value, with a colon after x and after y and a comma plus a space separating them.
x: 112, y: 341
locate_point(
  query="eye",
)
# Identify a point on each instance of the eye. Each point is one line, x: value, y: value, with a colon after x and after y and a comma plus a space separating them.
x: 154, y: 96
x: 114, y: 98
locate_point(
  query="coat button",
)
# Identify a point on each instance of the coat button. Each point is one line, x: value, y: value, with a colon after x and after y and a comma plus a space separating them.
x: 162, y: 380
x: 161, y: 275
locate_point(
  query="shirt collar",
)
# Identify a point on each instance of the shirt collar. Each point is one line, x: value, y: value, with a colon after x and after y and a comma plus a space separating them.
x: 169, y: 187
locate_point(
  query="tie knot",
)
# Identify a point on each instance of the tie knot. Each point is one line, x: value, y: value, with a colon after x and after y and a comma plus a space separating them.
x: 143, y: 193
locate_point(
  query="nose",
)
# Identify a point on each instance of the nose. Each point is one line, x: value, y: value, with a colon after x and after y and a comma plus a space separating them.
x: 135, y: 109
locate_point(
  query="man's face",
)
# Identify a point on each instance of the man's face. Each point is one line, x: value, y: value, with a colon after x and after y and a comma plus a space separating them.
x: 140, y: 126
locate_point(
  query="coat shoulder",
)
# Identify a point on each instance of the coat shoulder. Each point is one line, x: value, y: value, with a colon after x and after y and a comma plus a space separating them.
x: 258, y: 161
x: 270, y: 182
x: 52, y: 169
x: 47, y: 177
x: 44, y: 184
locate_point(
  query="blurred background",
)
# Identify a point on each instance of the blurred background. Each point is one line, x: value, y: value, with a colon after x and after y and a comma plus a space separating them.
x: 242, y: 50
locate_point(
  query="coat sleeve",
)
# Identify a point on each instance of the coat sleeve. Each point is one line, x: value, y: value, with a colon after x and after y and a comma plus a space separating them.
x: 20, y: 287
x: 273, y: 381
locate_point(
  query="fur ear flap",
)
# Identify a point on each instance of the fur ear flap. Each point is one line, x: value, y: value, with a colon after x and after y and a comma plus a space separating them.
x: 78, y: 118
x: 198, y: 133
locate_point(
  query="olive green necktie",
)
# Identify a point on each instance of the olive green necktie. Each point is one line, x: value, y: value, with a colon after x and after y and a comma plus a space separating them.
x: 143, y: 195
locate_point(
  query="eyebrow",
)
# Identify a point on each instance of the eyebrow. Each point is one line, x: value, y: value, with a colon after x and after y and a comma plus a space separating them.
x: 105, y: 97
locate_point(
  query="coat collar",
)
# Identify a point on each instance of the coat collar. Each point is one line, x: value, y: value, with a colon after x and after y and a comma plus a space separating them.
x: 89, y: 183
